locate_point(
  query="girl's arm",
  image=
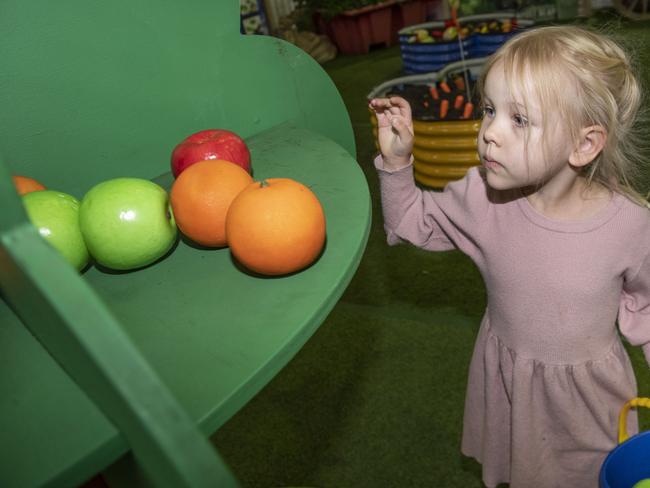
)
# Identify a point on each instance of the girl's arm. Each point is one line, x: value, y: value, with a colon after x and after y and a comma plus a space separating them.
x: 434, y: 220
x: 634, y: 313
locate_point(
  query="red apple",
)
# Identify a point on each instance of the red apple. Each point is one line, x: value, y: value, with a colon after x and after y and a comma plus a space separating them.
x: 210, y: 144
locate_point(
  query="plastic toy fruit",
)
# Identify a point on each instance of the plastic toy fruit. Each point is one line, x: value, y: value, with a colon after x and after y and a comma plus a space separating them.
x: 25, y: 184
x: 200, y: 198
x: 276, y: 227
x: 210, y: 144
x: 450, y: 33
x: 127, y: 223
x: 645, y: 483
x: 422, y: 35
x: 56, y: 216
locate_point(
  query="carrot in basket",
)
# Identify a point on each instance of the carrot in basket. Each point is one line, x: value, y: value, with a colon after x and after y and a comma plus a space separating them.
x: 444, y: 87
x: 459, y: 102
x: 434, y: 92
x: 444, y: 107
x: 460, y: 82
x: 469, y: 107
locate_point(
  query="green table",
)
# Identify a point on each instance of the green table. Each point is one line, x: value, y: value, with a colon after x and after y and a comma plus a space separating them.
x: 204, y: 333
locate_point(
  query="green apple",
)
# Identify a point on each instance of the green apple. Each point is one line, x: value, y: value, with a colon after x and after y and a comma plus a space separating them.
x: 127, y: 223
x: 645, y: 483
x: 56, y: 216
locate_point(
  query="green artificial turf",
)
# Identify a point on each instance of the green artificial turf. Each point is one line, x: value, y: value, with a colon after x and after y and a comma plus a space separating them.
x: 375, y: 398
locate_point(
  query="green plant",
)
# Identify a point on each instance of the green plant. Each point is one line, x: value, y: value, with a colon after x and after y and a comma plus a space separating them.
x: 331, y: 8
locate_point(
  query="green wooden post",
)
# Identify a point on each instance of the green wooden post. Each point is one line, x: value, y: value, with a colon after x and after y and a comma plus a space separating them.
x: 80, y: 332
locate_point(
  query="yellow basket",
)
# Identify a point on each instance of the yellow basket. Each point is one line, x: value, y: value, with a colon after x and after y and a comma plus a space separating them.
x: 622, y: 418
x: 443, y: 150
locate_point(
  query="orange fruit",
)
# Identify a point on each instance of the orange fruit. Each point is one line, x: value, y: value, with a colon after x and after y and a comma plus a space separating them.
x: 200, y: 198
x: 25, y: 184
x: 276, y: 227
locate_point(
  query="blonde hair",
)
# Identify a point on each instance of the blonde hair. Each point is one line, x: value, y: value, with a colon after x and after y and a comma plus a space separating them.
x: 606, y: 92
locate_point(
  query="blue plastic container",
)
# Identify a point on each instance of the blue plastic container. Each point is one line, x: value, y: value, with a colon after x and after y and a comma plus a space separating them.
x: 428, y: 57
x: 485, y: 44
x: 628, y: 464
x: 423, y: 58
x: 432, y: 48
x: 425, y: 63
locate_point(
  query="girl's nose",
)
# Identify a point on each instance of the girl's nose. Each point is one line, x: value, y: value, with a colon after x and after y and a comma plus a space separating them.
x: 490, y: 132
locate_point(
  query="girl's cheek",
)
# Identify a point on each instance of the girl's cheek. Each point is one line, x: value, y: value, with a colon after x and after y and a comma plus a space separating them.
x: 480, y: 140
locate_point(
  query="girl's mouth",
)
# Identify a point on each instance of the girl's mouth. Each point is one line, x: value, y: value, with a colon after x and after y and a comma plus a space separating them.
x: 490, y: 164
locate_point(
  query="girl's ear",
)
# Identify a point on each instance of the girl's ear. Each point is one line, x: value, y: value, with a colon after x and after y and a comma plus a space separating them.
x: 592, y: 140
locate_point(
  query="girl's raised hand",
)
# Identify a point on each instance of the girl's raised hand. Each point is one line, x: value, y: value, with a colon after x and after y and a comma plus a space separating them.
x: 395, y: 130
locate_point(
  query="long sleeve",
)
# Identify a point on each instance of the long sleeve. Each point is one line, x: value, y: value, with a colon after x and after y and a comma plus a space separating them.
x: 433, y: 220
x: 634, y: 312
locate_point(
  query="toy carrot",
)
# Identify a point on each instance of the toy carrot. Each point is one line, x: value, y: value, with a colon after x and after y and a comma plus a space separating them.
x: 459, y: 102
x: 434, y: 92
x: 454, y: 6
x: 469, y: 107
x: 444, y: 87
x: 460, y: 82
x: 444, y: 107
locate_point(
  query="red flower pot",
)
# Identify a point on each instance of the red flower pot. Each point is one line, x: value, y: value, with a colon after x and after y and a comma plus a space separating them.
x: 354, y: 31
x: 408, y: 12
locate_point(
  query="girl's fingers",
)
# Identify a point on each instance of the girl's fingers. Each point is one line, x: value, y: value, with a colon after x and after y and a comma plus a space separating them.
x: 399, y: 124
x: 396, y: 105
x: 379, y: 105
x: 402, y: 105
x: 395, y: 110
x: 394, y: 113
x: 382, y: 118
x: 399, y: 101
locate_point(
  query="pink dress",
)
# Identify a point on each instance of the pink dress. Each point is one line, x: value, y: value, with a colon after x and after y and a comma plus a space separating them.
x: 549, y: 373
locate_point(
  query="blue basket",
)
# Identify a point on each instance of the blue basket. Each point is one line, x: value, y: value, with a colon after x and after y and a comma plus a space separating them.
x: 432, y: 58
x: 485, y: 44
x: 434, y: 47
x: 628, y: 463
x: 423, y: 58
x: 482, y: 52
x: 491, y: 39
x: 427, y: 57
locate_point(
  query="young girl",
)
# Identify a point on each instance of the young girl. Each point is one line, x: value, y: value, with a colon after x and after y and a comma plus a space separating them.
x: 562, y: 240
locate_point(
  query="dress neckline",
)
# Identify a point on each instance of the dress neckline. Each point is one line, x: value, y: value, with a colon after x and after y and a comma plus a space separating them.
x: 578, y: 226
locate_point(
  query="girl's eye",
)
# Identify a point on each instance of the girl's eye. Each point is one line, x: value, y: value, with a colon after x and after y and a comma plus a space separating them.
x: 520, y: 120
x: 488, y: 111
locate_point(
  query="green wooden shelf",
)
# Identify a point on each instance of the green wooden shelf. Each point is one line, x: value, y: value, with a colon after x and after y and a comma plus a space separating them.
x: 214, y: 333
x: 153, y: 361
